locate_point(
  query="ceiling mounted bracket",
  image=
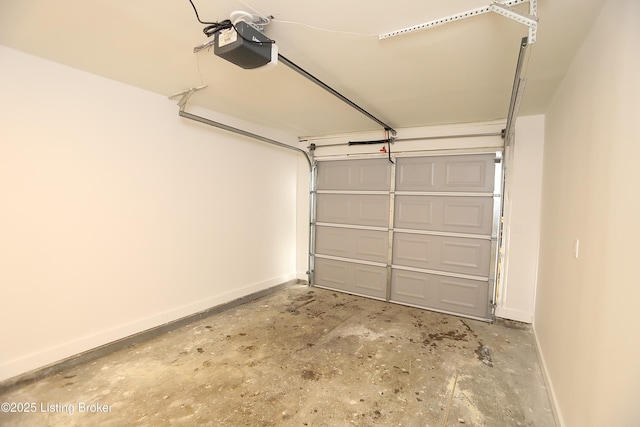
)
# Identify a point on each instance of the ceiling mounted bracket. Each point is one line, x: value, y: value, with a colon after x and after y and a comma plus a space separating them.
x: 528, y: 19
x: 185, y: 95
x: 504, y: 8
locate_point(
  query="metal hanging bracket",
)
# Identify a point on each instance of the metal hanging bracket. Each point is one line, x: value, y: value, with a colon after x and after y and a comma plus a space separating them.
x: 528, y: 19
x: 185, y: 95
x: 503, y: 8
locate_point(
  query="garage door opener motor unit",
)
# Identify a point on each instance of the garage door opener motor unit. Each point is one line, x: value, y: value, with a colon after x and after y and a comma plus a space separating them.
x: 245, y: 46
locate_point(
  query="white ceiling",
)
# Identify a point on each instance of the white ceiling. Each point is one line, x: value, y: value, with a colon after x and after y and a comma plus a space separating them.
x: 459, y: 72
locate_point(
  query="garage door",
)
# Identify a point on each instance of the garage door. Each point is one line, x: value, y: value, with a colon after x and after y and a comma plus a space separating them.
x: 421, y: 231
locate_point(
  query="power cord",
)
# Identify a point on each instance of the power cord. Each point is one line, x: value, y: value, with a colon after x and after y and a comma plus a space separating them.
x: 214, y: 27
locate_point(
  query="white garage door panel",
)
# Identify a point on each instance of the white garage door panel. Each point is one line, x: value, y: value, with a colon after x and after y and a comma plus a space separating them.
x: 459, y: 214
x: 449, y: 294
x: 419, y: 231
x: 360, y: 175
x: 350, y: 277
x: 441, y: 253
x: 446, y: 173
x: 368, y: 245
x: 415, y: 174
x: 357, y: 209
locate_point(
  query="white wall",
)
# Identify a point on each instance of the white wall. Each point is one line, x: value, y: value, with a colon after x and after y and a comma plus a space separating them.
x: 117, y: 215
x: 586, y: 320
x: 522, y: 195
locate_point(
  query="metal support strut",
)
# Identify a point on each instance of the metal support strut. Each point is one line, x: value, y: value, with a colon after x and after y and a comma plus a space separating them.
x: 504, y: 8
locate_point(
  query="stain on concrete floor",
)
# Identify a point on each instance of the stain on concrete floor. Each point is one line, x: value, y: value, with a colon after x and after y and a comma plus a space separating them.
x: 305, y: 357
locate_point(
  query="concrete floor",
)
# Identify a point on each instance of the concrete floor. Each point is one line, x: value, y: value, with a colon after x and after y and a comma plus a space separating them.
x: 305, y: 357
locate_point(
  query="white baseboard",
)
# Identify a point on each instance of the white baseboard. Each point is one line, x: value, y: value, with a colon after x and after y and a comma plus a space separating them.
x: 517, y: 315
x: 555, y: 407
x: 47, y: 356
